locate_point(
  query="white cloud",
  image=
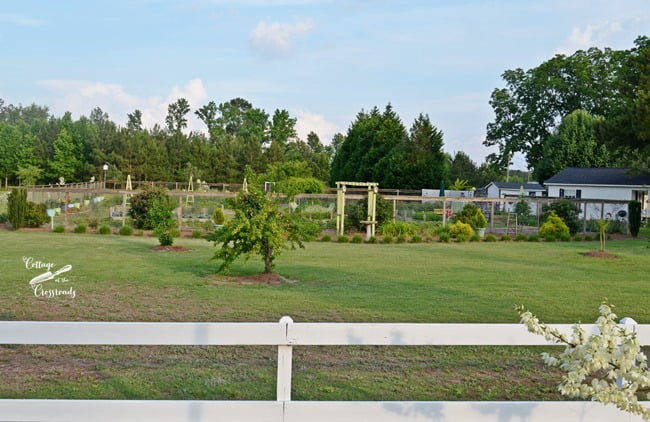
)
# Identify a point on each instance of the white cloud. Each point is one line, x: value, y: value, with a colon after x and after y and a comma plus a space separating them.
x: 589, y: 36
x: 308, y: 122
x: 273, y: 40
x: 80, y: 97
x: 611, y: 33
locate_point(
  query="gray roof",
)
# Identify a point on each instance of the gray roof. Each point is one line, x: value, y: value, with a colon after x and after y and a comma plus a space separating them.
x: 598, y: 176
x: 517, y: 186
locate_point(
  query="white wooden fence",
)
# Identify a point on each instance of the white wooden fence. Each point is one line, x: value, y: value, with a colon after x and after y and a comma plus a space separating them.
x: 286, y: 335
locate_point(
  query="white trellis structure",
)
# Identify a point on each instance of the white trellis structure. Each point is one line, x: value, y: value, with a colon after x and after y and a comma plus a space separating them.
x: 286, y: 335
x: 371, y: 220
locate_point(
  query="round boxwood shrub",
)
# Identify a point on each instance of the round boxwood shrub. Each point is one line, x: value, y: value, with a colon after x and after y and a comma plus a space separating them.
x: 460, y: 228
x: 104, y: 229
x: 553, y: 226
x: 81, y: 228
x: 475, y: 238
x: 126, y: 230
x: 521, y: 237
x: 401, y: 239
x: 387, y: 239
x: 326, y: 238
x: 588, y: 238
x: 372, y: 240
x: 490, y: 238
x: 59, y: 228
x: 577, y: 238
x: 416, y: 239
x: 506, y: 238
x: 197, y: 234
x: 533, y: 238
x: 461, y: 238
x: 566, y: 210
x: 565, y: 237
x: 357, y: 239
x: 342, y: 239
x: 444, y: 237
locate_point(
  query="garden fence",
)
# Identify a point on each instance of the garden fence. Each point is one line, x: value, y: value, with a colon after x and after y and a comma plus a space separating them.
x: 285, y: 335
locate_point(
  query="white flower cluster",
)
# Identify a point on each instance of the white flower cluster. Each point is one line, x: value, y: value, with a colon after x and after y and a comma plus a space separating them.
x: 608, y: 367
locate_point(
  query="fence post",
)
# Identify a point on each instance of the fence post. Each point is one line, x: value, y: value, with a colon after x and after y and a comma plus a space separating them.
x: 284, y: 364
x: 630, y: 324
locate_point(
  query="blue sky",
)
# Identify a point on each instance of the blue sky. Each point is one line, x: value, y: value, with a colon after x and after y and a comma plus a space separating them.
x: 323, y: 60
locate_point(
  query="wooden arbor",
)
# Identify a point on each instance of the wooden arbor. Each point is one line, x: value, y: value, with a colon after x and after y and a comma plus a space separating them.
x: 370, y: 221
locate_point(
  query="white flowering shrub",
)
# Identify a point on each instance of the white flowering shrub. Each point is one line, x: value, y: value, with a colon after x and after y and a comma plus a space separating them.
x: 608, y: 367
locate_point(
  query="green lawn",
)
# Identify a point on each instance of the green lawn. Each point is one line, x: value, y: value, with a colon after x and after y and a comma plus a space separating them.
x: 123, y: 279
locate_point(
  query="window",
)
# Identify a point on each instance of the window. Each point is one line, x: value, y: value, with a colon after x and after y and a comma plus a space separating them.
x: 571, y: 193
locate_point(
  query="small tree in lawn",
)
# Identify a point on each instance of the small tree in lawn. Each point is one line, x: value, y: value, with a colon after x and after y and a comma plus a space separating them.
x: 162, y: 220
x: 258, y: 227
x: 602, y: 227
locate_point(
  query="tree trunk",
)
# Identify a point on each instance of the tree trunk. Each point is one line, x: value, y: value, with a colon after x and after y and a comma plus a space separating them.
x: 268, y: 260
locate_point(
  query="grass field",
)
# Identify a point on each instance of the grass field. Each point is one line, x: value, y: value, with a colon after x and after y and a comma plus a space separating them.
x: 123, y: 279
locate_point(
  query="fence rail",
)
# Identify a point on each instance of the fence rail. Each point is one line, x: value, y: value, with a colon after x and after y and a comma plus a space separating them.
x: 285, y: 335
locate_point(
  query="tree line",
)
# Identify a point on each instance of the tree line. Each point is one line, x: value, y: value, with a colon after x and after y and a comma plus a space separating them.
x: 239, y: 139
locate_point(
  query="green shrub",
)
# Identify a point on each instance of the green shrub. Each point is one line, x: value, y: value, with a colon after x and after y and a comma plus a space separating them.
x: 342, y: 239
x: 401, y: 239
x: 565, y: 237
x: 294, y: 185
x: 566, y: 210
x: 416, y: 239
x: 126, y: 230
x: 471, y: 215
x: 533, y: 238
x: 549, y: 237
x: 35, y: 215
x: 460, y: 238
x: 326, y: 238
x: 357, y: 239
x: 588, y: 238
x: 81, y: 228
x: 218, y: 216
x: 17, y: 208
x: 553, y: 226
x: 93, y: 223
x: 398, y: 228
x: 475, y: 238
x: 577, y: 238
x: 3, y: 218
x: 139, y: 233
x: 634, y: 209
x: 490, y: 238
x: 175, y: 233
x: 197, y: 234
x: 142, y: 203
x: 444, y: 237
x: 521, y: 237
x: 104, y: 229
x: 59, y: 228
x: 506, y: 238
x: 372, y: 240
x: 387, y: 239
x: 460, y: 228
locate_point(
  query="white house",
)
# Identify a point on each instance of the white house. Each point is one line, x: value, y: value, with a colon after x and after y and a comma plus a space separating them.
x: 616, y: 184
x: 514, y: 191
